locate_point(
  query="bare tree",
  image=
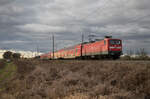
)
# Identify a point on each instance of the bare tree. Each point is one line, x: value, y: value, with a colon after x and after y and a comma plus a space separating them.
x: 142, y: 53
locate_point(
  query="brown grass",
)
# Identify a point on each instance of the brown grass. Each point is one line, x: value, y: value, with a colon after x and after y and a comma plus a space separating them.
x: 73, y: 79
x: 2, y: 63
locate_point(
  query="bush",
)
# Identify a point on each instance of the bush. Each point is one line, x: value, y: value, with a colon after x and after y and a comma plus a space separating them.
x: 24, y: 66
x: 16, y: 55
x: 126, y: 57
x: 7, y: 55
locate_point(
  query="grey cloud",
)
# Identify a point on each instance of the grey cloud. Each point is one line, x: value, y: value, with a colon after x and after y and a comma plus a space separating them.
x: 35, y: 21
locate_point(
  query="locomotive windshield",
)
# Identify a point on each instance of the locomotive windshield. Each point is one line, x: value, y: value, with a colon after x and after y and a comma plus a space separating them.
x: 115, y: 42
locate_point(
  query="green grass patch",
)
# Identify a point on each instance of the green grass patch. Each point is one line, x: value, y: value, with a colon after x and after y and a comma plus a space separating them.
x: 7, y: 72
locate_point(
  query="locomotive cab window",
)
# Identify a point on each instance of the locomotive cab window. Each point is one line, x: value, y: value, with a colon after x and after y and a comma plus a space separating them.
x: 115, y: 42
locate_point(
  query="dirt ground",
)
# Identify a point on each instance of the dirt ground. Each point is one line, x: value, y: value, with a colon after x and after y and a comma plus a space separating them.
x: 77, y: 79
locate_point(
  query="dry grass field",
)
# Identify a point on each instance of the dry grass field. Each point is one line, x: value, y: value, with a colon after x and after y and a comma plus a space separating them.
x: 76, y: 79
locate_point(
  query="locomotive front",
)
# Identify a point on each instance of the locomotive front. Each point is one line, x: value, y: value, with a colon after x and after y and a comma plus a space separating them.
x: 115, y: 48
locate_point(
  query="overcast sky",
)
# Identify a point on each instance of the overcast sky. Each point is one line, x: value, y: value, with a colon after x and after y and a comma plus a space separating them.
x: 26, y: 24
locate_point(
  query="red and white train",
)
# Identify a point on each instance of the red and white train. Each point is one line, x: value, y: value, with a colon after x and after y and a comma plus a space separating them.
x: 106, y: 48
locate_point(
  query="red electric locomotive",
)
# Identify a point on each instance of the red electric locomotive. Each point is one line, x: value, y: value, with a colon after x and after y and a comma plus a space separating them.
x: 106, y: 48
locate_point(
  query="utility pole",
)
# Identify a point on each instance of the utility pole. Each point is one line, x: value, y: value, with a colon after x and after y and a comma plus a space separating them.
x: 82, y: 46
x: 37, y: 49
x: 53, y: 45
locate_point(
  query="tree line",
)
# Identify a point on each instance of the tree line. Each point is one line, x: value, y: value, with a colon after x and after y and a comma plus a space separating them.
x: 11, y: 55
x: 140, y: 54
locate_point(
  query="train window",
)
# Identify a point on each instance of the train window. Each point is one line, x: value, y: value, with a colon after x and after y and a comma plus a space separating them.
x: 76, y: 50
x: 104, y: 42
x: 115, y: 42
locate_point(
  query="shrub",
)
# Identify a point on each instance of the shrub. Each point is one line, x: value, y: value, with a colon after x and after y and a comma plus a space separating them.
x: 126, y: 57
x: 7, y: 55
x: 24, y: 66
x: 16, y: 55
